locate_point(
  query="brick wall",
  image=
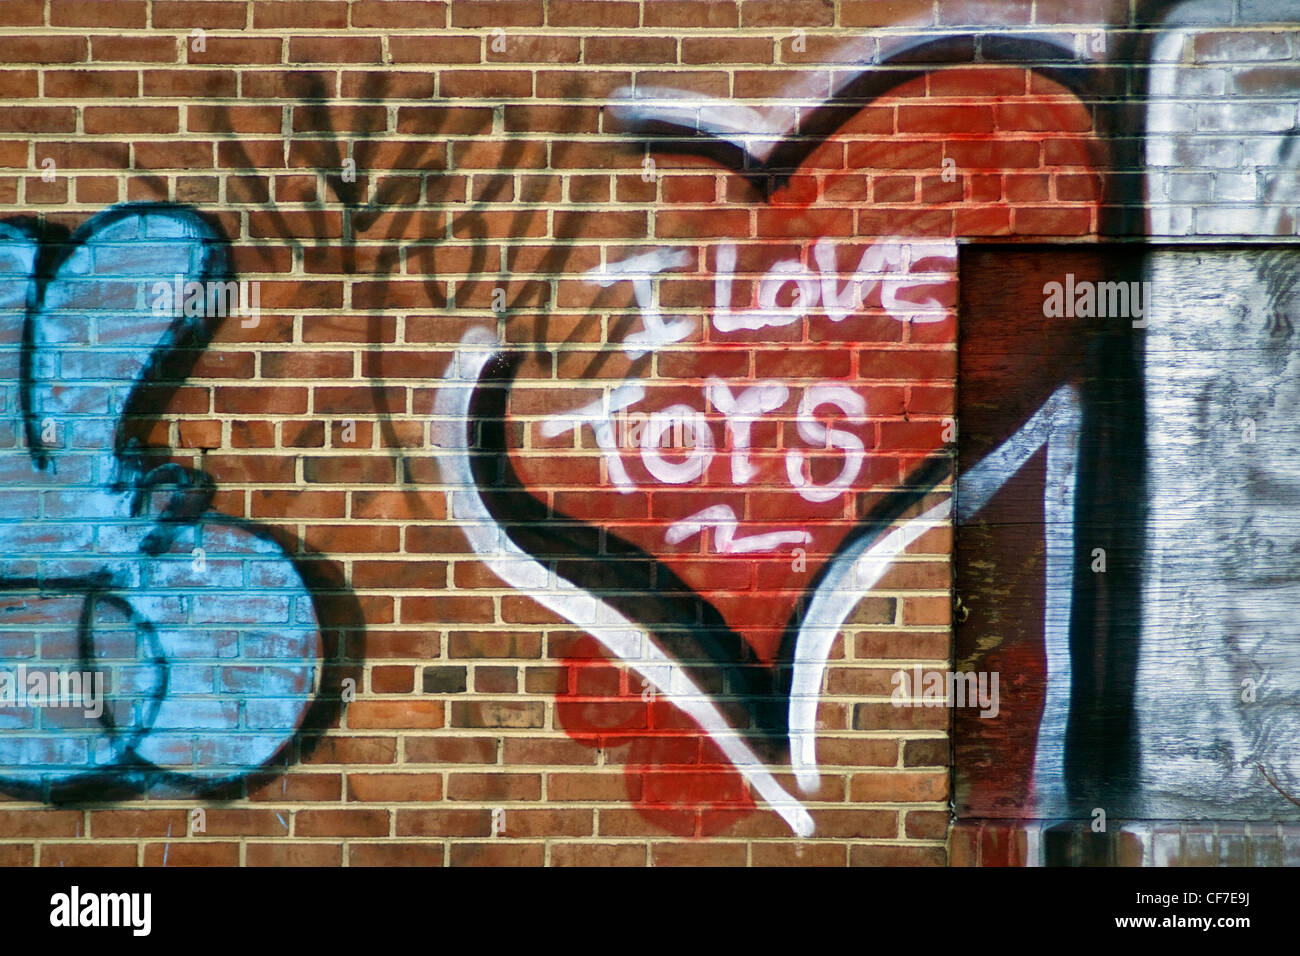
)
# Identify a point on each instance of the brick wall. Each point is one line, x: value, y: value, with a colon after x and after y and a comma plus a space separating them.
x: 585, y: 476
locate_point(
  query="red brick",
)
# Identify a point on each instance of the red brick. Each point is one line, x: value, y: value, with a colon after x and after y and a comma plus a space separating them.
x: 293, y: 854
x: 535, y: 49
x: 300, y: 788
x: 497, y: 13
x: 17, y: 854
x: 40, y: 823
x: 927, y: 824
x: 496, y: 786
x: 111, y: 49
x: 350, y: 750
x: 727, y: 50
x: 349, y: 49
x: 409, y: 13
x: 591, y: 787
x: 503, y: 713
x: 977, y: 81
x: 447, y: 823
x: 394, y: 787
x: 39, y: 192
x: 85, y: 84
x: 434, y: 49
x: 42, y: 49
x: 630, y: 49
x: 900, y: 787
x: 319, y: 14
x: 787, y: 13
x: 1010, y: 13
x: 485, y: 83
x: 241, y: 49
x: 404, y: 714
x: 800, y: 854
x: 130, y: 119
x: 209, y: 14
x: 583, y: 13
x: 266, y: 400
x: 1053, y: 221
x: 1031, y: 116
x: 138, y: 823
x: 326, y: 823
x: 927, y: 610
x: 172, y: 155
x: 395, y: 679
x: 191, y: 854
x: 504, y: 853
x: 451, y: 750
x: 23, y: 13
x: 233, y: 119
x: 691, y: 13
x: 280, y: 84
x: 234, y: 821
x: 88, y: 854
x: 897, y: 855
x: 128, y: 14
x: 97, y: 189
x: 698, y: 854
x: 965, y: 118
x: 404, y: 853
x: 598, y: 854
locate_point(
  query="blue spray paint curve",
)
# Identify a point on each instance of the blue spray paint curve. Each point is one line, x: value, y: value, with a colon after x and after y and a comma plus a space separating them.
x: 206, y: 635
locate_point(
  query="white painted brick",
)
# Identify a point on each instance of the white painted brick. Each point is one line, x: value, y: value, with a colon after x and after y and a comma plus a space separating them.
x: 1235, y: 186
x: 1233, y: 221
x: 1200, y: 82
x: 1264, y: 150
x: 1245, y: 116
x: 1189, y: 187
x: 1282, y: 187
x: 1194, y: 151
x: 1170, y: 221
x: 1167, y: 117
x: 1244, y: 45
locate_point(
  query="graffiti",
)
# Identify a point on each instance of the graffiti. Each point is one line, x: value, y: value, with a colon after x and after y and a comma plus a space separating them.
x: 1137, y: 578
x: 1055, y: 425
x: 112, y: 563
x: 225, y: 650
x: 1100, y: 681
x: 736, y: 527
x: 622, y: 636
x: 703, y: 450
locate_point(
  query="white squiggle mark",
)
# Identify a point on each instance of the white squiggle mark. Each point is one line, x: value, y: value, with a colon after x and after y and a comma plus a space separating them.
x: 512, y: 565
x: 723, y: 521
x: 857, y: 570
x: 1056, y: 424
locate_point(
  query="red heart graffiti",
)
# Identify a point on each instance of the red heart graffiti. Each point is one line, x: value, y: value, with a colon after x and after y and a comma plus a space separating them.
x: 771, y: 374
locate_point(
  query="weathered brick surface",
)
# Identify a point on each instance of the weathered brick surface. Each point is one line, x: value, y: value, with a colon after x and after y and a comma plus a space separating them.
x: 397, y: 174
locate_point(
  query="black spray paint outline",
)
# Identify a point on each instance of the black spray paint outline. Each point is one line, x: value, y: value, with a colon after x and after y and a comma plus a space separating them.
x: 169, y: 363
x: 524, y: 518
